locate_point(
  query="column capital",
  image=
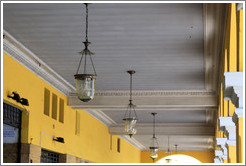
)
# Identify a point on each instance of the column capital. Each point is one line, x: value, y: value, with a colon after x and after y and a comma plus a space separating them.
x: 233, y: 88
x: 239, y: 6
x: 225, y: 121
x: 230, y: 132
x: 238, y: 113
x: 231, y: 143
x: 221, y: 143
x: 217, y: 160
x: 218, y: 153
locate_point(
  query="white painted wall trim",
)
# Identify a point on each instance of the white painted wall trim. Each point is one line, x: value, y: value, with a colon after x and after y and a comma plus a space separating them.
x: 239, y: 6
x: 24, y: 56
x: 233, y: 88
x: 227, y: 126
x: 221, y: 143
x: 217, y: 160
x: 238, y: 113
x: 218, y: 153
x: 133, y: 141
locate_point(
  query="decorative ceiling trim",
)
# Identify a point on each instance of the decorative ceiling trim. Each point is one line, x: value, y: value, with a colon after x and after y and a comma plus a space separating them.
x: 28, y: 59
x: 151, y: 93
x: 159, y: 100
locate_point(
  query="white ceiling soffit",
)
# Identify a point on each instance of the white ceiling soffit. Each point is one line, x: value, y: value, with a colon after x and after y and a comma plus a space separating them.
x: 175, y: 49
x: 168, y: 38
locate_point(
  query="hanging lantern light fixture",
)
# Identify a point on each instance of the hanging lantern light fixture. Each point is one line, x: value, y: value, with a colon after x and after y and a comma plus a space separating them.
x: 130, y: 117
x: 85, y: 83
x: 154, y: 146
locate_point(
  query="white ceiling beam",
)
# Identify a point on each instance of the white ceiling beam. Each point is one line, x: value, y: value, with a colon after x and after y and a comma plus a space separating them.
x: 214, y: 25
x: 167, y: 129
x: 144, y: 100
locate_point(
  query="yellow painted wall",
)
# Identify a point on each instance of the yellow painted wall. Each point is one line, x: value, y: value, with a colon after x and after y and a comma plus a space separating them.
x: 232, y: 61
x: 93, y: 142
x: 204, y: 157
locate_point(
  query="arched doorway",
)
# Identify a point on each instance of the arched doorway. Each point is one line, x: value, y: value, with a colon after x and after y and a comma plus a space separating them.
x: 178, y: 159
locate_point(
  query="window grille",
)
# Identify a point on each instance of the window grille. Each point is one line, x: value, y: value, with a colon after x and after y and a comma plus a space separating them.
x: 49, y: 157
x: 11, y: 115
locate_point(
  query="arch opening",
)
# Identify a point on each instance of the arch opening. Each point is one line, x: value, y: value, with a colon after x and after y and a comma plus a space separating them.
x: 178, y: 159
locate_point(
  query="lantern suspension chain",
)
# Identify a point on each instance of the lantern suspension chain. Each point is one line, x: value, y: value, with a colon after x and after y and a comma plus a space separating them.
x: 154, y: 126
x: 86, y: 30
x: 86, y: 36
x: 131, y: 89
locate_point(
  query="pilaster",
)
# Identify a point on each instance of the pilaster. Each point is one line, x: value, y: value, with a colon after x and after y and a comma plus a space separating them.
x: 233, y: 90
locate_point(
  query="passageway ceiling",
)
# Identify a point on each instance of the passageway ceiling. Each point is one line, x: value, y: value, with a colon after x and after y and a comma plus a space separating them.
x: 174, y: 49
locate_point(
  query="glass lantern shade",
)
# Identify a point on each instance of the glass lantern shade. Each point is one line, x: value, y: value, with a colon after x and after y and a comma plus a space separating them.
x: 85, y: 86
x: 130, y: 124
x: 153, y: 152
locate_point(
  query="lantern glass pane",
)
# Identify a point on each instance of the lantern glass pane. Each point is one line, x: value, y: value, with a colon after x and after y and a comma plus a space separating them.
x: 130, y: 126
x: 153, y: 153
x: 85, y: 88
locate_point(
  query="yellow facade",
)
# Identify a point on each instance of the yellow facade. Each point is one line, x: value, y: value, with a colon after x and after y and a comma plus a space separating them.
x: 232, y: 61
x: 92, y: 144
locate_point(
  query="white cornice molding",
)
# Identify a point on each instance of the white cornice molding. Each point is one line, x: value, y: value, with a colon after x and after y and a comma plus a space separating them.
x: 102, y: 117
x: 28, y: 59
